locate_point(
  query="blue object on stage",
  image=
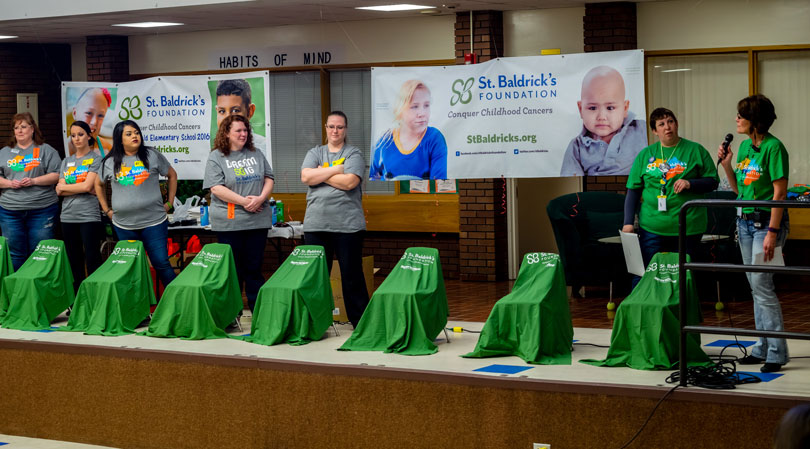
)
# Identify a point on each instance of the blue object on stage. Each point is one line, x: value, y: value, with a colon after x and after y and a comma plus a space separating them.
x: 724, y: 343
x: 503, y: 369
x: 765, y: 377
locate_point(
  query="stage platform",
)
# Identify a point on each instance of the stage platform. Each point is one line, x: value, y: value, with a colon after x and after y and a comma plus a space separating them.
x: 135, y: 391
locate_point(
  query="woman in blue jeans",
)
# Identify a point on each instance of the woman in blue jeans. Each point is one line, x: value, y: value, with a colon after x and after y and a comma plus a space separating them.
x: 29, y: 169
x: 761, y: 173
x: 138, y: 211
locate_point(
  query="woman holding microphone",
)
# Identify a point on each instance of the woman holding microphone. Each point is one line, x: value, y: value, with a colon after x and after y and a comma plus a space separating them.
x: 761, y: 173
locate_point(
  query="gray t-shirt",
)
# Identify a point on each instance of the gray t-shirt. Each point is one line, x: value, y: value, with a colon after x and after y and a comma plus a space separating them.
x: 243, y: 172
x: 18, y: 163
x: 330, y: 209
x: 136, y: 199
x: 82, y: 207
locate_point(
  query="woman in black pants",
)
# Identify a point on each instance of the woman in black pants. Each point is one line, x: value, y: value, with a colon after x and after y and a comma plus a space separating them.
x: 81, y: 216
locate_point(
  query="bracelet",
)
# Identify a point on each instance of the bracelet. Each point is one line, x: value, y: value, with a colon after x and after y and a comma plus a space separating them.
x: 774, y: 230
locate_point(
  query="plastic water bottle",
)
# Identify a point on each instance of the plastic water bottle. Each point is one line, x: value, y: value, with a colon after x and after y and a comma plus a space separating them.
x: 205, y: 220
x: 273, y: 210
x: 279, y: 212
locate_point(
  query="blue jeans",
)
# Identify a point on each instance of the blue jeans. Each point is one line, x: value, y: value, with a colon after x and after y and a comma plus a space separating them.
x: 767, y: 311
x: 24, y: 229
x: 652, y: 243
x: 155, y: 242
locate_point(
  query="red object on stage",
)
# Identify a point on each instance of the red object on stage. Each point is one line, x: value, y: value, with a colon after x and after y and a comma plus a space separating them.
x: 193, y: 245
x: 470, y: 58
x: 174, y: 248
x: 156, y: 284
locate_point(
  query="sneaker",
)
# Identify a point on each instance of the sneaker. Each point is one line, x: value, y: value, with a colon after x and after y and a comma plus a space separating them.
x: 771, y: 367
x: 750, y: 360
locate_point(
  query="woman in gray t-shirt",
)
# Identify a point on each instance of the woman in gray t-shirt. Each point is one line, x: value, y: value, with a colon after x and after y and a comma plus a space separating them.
x: 334, y: 218
x: 138, y: 211
x: 81, y: 217
x: 241, y: 180
x: 29, y: 168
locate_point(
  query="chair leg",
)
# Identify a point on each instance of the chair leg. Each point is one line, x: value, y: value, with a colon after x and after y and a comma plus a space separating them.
x: 719, y: 305
x: 610, y: 304
x: 239, y: 322
x: 334, y: 328
x: 446, y: 335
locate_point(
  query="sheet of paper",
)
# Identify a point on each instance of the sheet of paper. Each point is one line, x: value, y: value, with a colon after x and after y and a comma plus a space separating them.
x: 778, y: 260
x: 632, y: 253
x: 420, y: 186
x: 446, y: 185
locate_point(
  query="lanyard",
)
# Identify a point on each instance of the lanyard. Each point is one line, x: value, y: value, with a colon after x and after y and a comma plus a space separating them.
x: 664, y: 167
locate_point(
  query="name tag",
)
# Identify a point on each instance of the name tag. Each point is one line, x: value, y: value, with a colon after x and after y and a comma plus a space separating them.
x: 662, y: 203
x: 15, y: 151
x: 71, y: 164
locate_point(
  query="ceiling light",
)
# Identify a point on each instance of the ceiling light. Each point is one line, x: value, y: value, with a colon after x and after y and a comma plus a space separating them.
x: 147, y: 24
x: 400, y: 7
x: 8, y: 37
x: 676, y: 70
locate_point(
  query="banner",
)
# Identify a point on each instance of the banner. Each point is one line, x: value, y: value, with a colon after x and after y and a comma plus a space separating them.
x: 178, y: 115
x: 526, y: 117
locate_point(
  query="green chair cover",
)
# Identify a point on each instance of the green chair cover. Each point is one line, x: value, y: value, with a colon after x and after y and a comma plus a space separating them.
x: 6, y: 267
x: 116, y: 297
x: 646, y: 329
x: 532, y: 322
x: 203, y: 299
x: 407, y: 311
x: 295, y: 305
x: 42, y: 289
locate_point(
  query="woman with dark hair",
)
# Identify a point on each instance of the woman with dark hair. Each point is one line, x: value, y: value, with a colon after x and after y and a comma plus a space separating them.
x: 665, y: 175
x: 29, y: 168
x: 334, y: 218
x: 81, y: 217
x: 138, y: 211
x: 241, y: 180
x: 761, y: 173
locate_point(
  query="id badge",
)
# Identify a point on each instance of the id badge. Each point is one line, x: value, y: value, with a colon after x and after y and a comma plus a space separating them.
x: 662, y: 203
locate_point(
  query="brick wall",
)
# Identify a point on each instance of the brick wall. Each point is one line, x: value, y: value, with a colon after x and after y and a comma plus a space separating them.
x: 107, y: 58
x: 34, y: 68
x: 609, y: 27
x: 487, y: 36
x: 482, y: 247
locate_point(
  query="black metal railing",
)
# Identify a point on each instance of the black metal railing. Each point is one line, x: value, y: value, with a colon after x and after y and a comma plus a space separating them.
x: 723, y: 267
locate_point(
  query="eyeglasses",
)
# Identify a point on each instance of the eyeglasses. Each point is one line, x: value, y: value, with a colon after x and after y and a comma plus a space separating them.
x: 335, y: 127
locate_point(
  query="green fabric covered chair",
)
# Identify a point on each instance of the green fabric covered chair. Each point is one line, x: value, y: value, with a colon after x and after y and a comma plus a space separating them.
x: 579, y: 220
x: 646, y: 330
x: 408, y: 310
x: 32, y: 297
x: 295, y: 305
x: 115, y: 298
x: 202, y: 300
x: 532, y: 322
x: 6, y: 267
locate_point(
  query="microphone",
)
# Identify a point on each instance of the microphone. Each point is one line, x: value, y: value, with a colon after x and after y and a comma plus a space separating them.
x: 726, y: 143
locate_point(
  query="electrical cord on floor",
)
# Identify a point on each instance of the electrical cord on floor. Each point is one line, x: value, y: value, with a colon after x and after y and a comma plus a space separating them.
x: 647, y: 421
x: 721, y: 375
x: 591, y: 344
x: 459, y: 330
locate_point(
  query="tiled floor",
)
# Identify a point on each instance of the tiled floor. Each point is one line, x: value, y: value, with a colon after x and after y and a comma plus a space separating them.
x: 473, y: 301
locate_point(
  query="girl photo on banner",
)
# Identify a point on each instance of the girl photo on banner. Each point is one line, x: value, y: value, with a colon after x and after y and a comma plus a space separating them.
x: 410, y: 149
x: 92, y: 105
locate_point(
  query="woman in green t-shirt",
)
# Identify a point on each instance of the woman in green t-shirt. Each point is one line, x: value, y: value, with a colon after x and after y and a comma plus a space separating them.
x: 665, y: 175
x: 761, y: 173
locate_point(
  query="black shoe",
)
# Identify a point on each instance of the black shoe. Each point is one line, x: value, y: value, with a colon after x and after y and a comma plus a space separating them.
x: 771, y: 367
x: 750, y: 360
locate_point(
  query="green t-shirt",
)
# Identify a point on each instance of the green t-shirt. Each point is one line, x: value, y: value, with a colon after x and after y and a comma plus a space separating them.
x: 757, y: 170
x: 687, y: 160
